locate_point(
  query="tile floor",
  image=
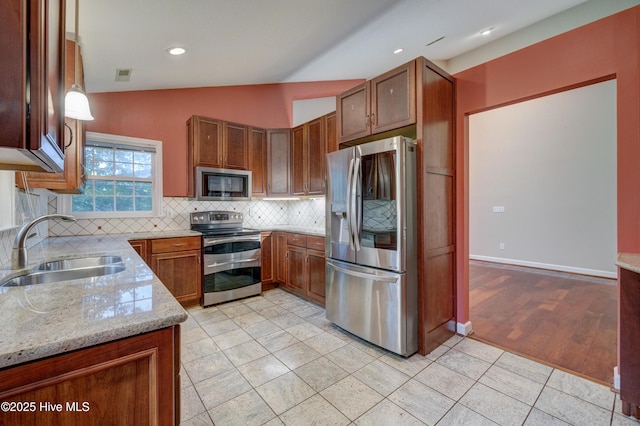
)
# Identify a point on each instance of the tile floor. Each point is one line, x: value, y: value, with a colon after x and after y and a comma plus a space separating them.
x: 275, y: 359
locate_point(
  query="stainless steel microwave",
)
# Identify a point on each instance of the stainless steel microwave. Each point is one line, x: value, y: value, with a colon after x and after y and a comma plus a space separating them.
x: 222, y: 184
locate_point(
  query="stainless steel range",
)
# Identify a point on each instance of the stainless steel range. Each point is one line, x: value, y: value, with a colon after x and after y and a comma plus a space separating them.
x: 231, y: 254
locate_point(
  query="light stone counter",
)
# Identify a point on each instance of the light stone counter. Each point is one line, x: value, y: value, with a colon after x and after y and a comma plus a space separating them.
x: 163, y: 234
x: 48, y: 319
x: 320, y: 232
x: 630, y: 261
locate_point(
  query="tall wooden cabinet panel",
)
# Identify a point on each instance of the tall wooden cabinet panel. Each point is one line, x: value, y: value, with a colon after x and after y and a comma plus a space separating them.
x: 296, y: 257
x: 258, y: 161
x: 267, y: 263
x: 436, y: 206
x: 204, y: 146
x: 236, y: 146
x: 71, y: 179
x: 32, y: 42
x: 629, y: 327
x: 133, y: 381
x: 278, y: 162
x: 384, y: 103
x: 316, y: 269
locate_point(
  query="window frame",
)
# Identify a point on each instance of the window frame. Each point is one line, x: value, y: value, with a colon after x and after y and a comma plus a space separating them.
x: 64, y: 201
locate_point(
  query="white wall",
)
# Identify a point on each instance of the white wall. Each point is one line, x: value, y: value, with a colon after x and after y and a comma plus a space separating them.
x: 551, y: 162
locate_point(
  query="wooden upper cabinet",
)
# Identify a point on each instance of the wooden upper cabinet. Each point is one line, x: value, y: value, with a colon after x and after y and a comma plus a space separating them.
x: 278, y: 165
x: 331, y: 131
x: 393, y: 99
x: 71, y: 179
x: 308, y: 148
x: 258, y: 161
x: 236, y: 146
x: 298, y: 160
x: 32, y: 41
x: 384, y: 103
x: 353, y: 109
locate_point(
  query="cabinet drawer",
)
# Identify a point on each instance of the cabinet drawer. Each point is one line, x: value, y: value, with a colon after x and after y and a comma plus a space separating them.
x: 315, y: 243
x: 296, y: 239
x: 167, y: 245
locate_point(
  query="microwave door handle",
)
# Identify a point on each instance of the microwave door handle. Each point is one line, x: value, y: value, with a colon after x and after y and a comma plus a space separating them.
x: 349, y: 214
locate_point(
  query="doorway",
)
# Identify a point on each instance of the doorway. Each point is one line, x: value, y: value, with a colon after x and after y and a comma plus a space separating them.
x: 542, y: 209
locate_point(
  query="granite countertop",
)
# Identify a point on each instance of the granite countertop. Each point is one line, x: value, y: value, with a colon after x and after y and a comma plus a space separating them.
x: 320, y: 232
x: 162, y: 234
x: 49, y: 319
x: 630, y: 261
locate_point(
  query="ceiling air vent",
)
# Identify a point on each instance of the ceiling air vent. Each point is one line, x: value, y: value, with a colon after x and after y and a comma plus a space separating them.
x: 123, y: 74
x: 435, y: 41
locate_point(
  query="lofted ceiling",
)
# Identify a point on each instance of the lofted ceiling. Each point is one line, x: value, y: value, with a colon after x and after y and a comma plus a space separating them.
x: 236, y: 42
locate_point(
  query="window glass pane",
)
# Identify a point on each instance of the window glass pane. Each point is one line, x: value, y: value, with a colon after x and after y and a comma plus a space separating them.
x: 103, y: 168
x: 103, y: 154
x: 124, y: 204
x: 142, y: 171
x: 81, y: 203
x: 124, y: 169
x: 88, y: 187
x: 104, y: 204
x: 124, y: 188
x: 104, y: 187
x: 144, y: 188
x: 144, y: 204
x: 142, y: 157
x: 124, y: 156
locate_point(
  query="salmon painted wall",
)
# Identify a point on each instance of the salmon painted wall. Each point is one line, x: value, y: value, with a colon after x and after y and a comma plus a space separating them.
x: 163, y: 114
x: 604, y: 49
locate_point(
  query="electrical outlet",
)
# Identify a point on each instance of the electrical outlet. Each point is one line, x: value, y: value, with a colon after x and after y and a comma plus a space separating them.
x: 498, y: 209
x: 501, y: 246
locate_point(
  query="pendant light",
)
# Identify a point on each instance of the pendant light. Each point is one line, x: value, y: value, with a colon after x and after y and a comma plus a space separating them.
x: 76, y: 104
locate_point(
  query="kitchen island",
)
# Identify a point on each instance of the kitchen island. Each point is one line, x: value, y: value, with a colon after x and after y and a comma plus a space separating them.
x: 96, y: 348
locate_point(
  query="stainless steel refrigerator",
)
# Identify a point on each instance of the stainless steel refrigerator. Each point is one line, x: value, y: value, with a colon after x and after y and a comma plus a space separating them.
x: 371, y: 234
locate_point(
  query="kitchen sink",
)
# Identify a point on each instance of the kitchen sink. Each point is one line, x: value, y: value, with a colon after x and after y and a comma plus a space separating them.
x: 68, y: 269
x: 78, y: 262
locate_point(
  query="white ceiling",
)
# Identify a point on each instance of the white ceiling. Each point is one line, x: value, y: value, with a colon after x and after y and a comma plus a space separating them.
x: 234, y: 42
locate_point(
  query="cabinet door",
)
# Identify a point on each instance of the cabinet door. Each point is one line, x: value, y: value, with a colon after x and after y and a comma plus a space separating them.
x: 316, y: 281
x: 180, y: 273
x: 206, y: 140
x: 296, y: 268
x: 330, y: 132
x: 278, y: 164
x: 281, y: 257
x: 353, y: 113
x: 298, y: 160
x: 133, y: 381
x: 71, y: 179
x: 393, y: 99
x: 266, y: 252
x: 258, y: 161
x: 316, y: 145
x: 236, y: 146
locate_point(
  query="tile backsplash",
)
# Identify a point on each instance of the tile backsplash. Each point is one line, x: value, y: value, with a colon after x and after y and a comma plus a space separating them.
x: 176, y: 210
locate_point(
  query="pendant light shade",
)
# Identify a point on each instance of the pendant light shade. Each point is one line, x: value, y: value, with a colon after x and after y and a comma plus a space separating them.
x: 76, y: 104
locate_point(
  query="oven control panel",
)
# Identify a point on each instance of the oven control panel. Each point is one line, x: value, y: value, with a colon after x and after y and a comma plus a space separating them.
x: 216, y: 217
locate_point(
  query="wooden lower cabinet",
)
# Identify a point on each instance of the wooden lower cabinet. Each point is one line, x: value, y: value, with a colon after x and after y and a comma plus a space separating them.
x: 177, y: 262
x: 266, y: 267
x: 133, y: 381
x: 305, y: 267
x: 629, y: 327
x: 280, y: 258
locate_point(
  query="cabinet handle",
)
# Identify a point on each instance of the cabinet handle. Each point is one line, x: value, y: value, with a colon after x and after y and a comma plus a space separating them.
x: 366, y: 121
x: 286, y: 255
x: 373, y: 119
x: 306, y: 259
x: 177, y: 245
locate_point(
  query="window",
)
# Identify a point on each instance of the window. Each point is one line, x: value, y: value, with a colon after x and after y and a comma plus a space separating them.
x: 124, y: 179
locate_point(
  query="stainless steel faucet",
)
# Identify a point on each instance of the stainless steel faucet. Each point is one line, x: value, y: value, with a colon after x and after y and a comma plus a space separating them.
x: 19, y: 252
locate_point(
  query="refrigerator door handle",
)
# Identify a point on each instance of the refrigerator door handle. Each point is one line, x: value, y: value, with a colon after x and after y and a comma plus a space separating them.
x: 353, y: 209
x: 349, y: 214
x: 364, y: 275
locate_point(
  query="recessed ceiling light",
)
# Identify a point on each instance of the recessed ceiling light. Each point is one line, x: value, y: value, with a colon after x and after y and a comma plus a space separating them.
x: 176, y: 51
x: 486, y: 32
x: 398, y: 50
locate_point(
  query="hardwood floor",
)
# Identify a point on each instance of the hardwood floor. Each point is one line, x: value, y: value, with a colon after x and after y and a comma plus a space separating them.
x: 565, y: 320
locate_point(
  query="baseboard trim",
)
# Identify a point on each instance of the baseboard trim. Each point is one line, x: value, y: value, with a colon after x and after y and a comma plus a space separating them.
x: 464, y: 329
x: 548, y: 266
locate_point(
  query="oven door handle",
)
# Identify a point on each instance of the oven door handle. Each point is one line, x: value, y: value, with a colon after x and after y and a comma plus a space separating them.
x: 210, y: 243
x: 215, y: 265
